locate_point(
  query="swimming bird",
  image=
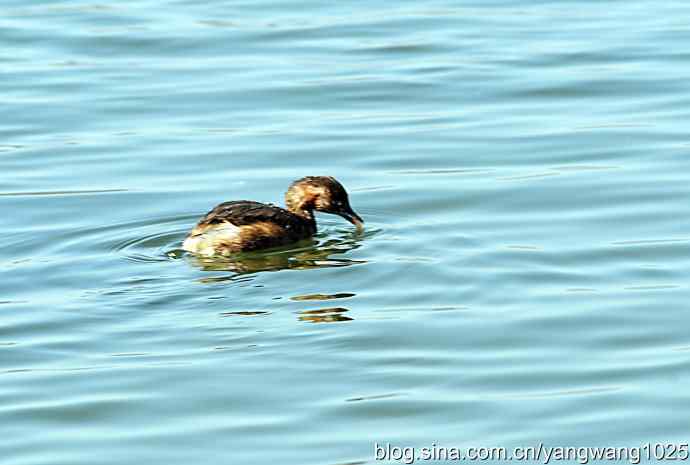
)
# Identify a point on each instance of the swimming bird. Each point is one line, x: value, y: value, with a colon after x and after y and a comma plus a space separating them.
x: 244, y: 225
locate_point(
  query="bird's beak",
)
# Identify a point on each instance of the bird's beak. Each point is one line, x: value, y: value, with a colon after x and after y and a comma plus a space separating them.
x: 353, y: 218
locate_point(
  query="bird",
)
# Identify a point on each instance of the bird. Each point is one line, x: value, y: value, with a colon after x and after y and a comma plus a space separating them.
x: 245, y: 225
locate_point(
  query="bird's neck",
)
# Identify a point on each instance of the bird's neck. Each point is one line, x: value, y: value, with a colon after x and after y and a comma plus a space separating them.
x: 305, y: 213
x: 299, y: 202
x: 307, y: 217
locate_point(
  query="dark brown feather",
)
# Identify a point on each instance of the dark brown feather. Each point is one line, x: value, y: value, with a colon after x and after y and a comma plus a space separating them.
x: 261, y: 225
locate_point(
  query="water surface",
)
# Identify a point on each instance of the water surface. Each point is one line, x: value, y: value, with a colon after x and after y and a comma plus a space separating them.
x: 522, y: 168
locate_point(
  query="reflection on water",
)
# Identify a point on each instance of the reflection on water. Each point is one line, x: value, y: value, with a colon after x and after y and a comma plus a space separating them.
x: 319, y: 315
x: 373, y: 397
x: 340, y: 295
x: 325, y: 315
x: 159, y: 240
x: 303, y: 255
x: 245, y: 313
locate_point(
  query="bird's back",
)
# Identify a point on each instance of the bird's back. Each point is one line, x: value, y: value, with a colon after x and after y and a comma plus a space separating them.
x: 244, y: 225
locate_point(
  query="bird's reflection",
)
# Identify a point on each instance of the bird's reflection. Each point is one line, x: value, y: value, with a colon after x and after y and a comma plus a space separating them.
x: 318, y: 315
x: 314, y: 315
x: 324, y: 315
x: 246, y: 313
x: 303, y: 255
x: 308, y: 254
x: 339, y: 295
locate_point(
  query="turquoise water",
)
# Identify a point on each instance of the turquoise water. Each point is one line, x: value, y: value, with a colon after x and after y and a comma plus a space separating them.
x: 522, y: 168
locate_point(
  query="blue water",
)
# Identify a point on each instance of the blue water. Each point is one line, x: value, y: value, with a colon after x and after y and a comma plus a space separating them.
x: 522, y: 169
